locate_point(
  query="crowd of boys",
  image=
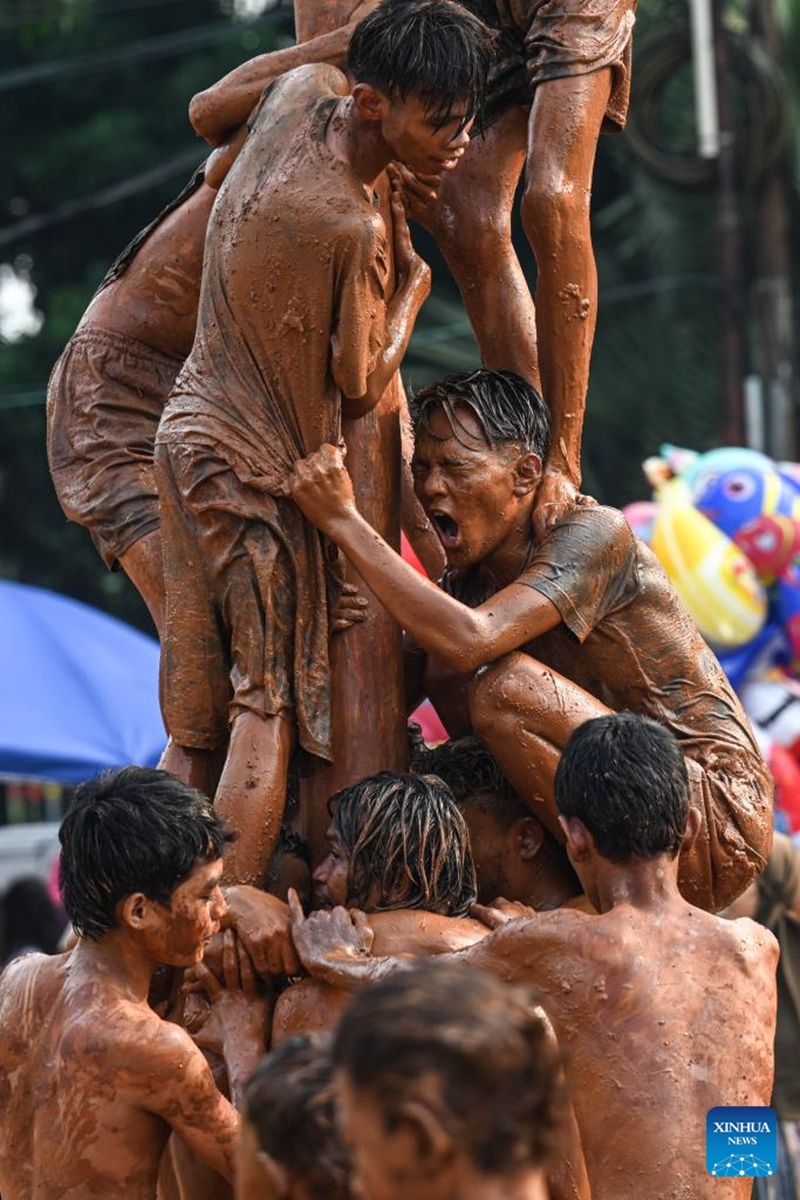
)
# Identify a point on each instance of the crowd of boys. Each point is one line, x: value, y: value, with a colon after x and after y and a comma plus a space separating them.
x: 601, y: 795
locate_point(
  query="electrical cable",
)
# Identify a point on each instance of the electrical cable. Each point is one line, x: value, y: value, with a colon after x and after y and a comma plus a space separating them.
x: 141, y: 51
x: 185, y: 162
x: 762, y: 134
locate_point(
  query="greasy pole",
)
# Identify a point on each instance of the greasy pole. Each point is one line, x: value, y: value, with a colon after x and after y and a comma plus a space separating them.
x: 366, y: 661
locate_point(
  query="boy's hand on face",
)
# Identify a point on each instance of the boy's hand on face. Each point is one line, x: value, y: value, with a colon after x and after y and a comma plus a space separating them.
x: 556, y: 496
x: 419, y: 193
x: 321, y: 487
x: 237, y: 1010
x: 334, y: 944
x: 410, y: 270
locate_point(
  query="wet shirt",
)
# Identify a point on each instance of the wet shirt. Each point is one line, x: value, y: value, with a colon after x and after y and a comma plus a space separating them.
x: 626, y: 638
x: 295, y: 275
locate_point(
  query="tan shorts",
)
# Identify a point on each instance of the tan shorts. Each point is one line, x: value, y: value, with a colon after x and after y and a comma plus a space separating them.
x: 104, y: 401
x: 556, y: 39
x: 243, y: 624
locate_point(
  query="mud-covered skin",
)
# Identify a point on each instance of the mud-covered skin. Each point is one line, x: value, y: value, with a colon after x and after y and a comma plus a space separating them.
x: 662, y: 1011
x: 668, y: 1008
x: 92, y: 1080
x: 536, y: 638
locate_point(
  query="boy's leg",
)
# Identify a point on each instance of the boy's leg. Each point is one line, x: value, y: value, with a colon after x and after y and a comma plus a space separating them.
x: 251, y: 795
x: 524, y: 713
x: 565, y: 123
x: 142, y: 563
x: 472, y: 225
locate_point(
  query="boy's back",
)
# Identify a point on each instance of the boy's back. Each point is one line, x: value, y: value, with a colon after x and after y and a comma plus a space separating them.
x: 661, y: 1016
x: 88, y: 1081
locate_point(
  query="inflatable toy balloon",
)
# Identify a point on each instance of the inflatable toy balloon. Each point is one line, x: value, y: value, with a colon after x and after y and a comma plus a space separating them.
x: 698, y: 471
x: 771, y: 542
x: 772, y: 701
x: 711, y: 575
x: 785, y: 770
x: 736, y: 498
x: 640, y: 516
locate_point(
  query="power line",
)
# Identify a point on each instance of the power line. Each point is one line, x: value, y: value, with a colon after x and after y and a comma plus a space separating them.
x: 101, y: 199
x: 145, y: 49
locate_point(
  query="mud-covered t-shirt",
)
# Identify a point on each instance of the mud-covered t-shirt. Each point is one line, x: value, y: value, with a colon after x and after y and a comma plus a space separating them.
x: 293, y: 295
x: 626, y: 638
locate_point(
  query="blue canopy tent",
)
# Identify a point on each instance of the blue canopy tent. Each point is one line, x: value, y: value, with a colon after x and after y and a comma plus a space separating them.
x: 78, y: 689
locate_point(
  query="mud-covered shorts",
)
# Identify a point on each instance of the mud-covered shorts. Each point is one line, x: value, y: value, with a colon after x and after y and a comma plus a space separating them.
x: 555, y: 39
x: 233, y: 641
x: 104, y: 401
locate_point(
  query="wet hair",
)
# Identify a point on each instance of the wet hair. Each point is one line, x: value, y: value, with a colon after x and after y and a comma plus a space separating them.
x: 474, y: 778
x: 289, y: 1102
x: 625, y: 778
x: 508, y: 409
x: 490, y: 1049
x: 405, y: 835
x: 433, y: 49
x: 132, y: 830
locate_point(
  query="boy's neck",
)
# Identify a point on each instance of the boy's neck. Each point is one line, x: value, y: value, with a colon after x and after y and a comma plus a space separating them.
x: 117, y: 962
x: 650, y: 885
x: 357, y: 143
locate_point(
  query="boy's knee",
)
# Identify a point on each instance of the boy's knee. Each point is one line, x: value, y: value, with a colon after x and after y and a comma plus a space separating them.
x: 550, y: 211
x: 502, y: 692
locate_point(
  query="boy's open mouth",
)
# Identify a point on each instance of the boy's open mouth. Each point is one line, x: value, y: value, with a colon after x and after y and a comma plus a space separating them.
x: 446, y: 527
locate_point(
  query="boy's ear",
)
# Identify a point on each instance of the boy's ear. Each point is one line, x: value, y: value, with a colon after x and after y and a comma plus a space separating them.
x: 430, y: 1137
x: 527, y: 473
x: 276, y: 1177
x: 371, y: 104
x: 530, y: 833
x: 580, y: 842
x: 134, y: 911
x: 693, y: 823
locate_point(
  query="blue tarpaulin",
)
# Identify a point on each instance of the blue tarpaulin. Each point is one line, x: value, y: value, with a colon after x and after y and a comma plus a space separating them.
x: 78, y: 689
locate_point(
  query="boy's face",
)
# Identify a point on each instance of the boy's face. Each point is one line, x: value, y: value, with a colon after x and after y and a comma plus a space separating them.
x: 410, y: 129
x: 331, y: 876
x: 193, y: 917
x: 466, y: 488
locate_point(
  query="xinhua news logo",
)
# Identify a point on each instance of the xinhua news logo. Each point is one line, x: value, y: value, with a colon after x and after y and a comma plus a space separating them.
x: 741, y: 1141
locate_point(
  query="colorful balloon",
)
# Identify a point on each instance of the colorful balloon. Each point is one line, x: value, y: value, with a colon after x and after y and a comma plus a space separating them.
x: 711, y: 575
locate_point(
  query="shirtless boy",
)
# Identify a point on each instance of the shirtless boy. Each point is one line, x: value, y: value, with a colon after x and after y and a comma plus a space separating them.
x: 91, y: 1079
x: 399, y: 849
x: 526, y: 639
x: 514, y: 855
x: 653, y: 1001
x: 448, y: 1088
x: 294, y: 332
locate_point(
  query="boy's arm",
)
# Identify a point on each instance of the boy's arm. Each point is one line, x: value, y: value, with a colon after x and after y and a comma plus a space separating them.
x: 412, y: 287
x: 226, y: 105
x: 336, y: 946
x: 463, y: 638
x: 172, y: 1080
